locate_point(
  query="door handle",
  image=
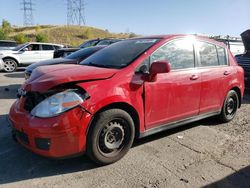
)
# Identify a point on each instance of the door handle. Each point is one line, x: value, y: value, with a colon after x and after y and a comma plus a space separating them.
x: 226, y: 73
x: 194, y: 77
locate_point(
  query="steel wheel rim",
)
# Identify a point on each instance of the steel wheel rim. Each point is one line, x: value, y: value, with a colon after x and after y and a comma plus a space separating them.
x: 231, y: 106
x: 112, y: 137
x: 9, y: 65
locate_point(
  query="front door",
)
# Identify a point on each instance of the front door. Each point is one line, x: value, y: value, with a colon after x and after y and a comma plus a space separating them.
x: 175, y: 95
x: 31, y: 54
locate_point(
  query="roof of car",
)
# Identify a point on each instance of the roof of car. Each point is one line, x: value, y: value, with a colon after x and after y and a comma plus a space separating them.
x: 179, y: 36
x: 8, y: 41
x: 44, y: 43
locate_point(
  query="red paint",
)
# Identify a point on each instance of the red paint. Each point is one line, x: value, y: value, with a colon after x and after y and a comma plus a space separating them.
x: 169, y: 97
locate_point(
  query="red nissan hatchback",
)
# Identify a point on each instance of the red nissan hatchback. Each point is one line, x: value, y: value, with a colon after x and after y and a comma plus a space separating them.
x: 128, y: 90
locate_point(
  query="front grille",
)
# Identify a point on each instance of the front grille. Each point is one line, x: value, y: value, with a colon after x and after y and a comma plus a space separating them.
x: 32, y: 99
x: 22, y: 136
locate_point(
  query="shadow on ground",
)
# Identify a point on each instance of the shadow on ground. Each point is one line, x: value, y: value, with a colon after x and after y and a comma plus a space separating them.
x: 240, y: 178
x: 9, y: 91
x: 15, y: 75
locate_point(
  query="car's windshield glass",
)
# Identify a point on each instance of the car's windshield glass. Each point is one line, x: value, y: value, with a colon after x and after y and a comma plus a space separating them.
x: 19, y: 47
x: 84, y: 53
x: 120, y: 54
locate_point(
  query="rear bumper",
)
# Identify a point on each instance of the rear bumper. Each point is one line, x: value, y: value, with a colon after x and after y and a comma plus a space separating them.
x: 56, y: 137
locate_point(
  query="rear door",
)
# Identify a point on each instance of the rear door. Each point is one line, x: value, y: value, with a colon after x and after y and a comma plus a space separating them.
x: 215, y: 76
x: 47, y: 52
x: 175, y: 95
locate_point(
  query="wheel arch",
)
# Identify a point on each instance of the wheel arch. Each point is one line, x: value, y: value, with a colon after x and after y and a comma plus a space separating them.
x: 10, y: 57
x: 123, y: 106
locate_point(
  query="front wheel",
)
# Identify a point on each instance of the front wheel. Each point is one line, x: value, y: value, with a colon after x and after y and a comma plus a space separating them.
x: 230, y: 106
x: 110, y: 136
x: 9, y: 65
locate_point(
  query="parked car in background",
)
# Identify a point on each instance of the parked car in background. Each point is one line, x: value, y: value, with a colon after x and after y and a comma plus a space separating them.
x: 7, y: 44
x: 26, y: 54
x: 244, y: 59
x: 98, y: 41
x: 130, y: 89
x: 63, y: 52
x: 89, y: 43
x: 73, y: 58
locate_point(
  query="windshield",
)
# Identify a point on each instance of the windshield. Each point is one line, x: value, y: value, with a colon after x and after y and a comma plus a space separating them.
x: 83, y: 53
x: 19, y: 47
x: 120, y: 54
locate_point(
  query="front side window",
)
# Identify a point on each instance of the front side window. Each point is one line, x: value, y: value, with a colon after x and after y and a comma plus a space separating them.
x: 179, y: 53
x: 222, y: 55
x: 208, y: 54
x: 33, y: 47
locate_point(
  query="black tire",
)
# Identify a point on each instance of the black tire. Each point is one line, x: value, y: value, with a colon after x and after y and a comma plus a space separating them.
x: 9, y: 65
x: 230, y: 107
x: 110, y: 136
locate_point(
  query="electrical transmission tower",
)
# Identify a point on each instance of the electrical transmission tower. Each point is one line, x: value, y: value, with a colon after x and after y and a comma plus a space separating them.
x: 27, y: 7
x: 75, y: 12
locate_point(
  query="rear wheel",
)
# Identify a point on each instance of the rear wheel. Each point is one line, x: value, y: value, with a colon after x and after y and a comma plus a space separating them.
x: 110, y: 137
x: 230, y: 106
x: 9, y: 65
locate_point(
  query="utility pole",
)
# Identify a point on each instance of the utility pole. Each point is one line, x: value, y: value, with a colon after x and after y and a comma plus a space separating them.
x: 27, y: 7
x: 75, y: 12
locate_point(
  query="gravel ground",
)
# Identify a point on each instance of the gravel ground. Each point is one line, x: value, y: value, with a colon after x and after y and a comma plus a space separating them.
x: 201, y: 154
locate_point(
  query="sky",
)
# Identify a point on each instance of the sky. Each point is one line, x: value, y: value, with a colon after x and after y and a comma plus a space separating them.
x: 144, y: 17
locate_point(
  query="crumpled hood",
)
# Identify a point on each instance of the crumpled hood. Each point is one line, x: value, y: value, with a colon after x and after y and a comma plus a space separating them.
x: 46, y: 77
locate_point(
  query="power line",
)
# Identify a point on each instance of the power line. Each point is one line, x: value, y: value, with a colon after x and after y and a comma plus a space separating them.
x: 75, y: 12
x: 27, y: 7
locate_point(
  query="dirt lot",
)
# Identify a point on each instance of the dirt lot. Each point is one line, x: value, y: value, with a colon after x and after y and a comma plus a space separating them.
x: 200, y: 154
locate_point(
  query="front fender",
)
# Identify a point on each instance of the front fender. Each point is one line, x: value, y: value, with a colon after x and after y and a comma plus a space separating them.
x: 15, y: 57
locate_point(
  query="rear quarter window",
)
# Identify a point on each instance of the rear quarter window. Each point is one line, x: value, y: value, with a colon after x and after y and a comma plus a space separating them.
x: 222, y: 55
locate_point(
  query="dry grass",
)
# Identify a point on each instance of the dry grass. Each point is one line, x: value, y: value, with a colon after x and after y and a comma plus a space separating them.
x: 67, y: 35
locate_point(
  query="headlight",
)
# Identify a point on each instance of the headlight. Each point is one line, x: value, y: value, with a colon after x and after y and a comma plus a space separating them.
x: 57, y: 103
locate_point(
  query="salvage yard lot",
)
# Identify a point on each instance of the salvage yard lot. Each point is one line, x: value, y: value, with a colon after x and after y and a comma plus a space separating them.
x: 204, y: 153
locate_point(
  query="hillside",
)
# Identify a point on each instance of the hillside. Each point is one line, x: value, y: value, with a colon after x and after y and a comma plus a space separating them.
x: 67, y: 35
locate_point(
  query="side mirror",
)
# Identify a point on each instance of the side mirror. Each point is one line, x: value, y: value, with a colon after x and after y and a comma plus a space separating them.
x: 160, y: 67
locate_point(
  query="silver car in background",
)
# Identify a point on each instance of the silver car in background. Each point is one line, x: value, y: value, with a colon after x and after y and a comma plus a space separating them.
x: 26, y: 54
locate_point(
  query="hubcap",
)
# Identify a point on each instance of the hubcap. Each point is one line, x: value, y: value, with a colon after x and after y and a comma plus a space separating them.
x: 111, y: 137
x: 9, y: 65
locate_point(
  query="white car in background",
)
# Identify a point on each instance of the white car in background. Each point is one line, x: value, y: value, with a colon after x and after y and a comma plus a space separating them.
x: 26, y: 54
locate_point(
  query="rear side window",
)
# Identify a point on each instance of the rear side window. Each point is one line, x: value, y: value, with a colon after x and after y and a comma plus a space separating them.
x: 222, y: 55
x: 208, y: 54
x: 179, y: 53
x: 47, y: 47
x: 56, y: 47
